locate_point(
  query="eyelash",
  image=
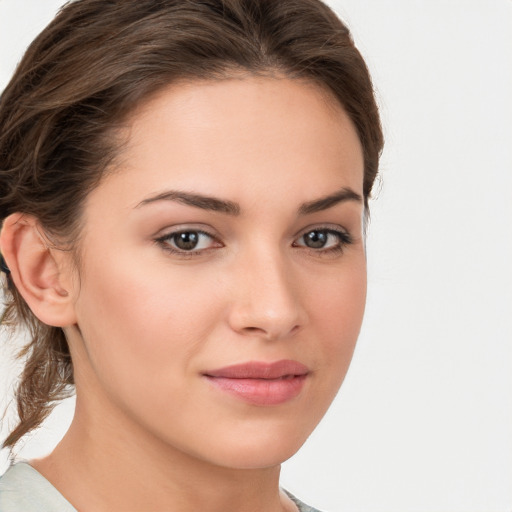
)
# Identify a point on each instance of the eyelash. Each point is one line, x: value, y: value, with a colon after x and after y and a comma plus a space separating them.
x: 344, y: 239
x: 165, y: 242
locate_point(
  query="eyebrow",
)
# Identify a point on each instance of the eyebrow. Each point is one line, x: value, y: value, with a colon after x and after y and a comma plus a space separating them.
x: 196, y: 200
x: 231, y: 208
x: 324, y: 203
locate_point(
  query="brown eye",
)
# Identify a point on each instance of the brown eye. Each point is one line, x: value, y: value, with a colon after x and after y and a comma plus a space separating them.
x: 186, y: 241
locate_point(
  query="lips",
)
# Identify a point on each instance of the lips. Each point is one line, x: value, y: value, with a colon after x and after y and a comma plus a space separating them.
x: 261, y: 383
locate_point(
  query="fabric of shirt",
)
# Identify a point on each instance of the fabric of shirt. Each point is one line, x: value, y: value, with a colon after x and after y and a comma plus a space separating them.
x: 23, y: 489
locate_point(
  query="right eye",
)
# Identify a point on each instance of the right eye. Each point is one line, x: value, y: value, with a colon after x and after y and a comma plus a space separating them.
x: 188, y: 241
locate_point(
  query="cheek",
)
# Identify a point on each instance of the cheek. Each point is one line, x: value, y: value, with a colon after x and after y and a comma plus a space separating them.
x: 340, y: 298
x: 336, y: 311
x: 142, y: 325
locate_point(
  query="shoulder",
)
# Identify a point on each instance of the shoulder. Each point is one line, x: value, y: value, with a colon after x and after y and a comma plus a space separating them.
x: 23, y: 488
x: 301, y: 506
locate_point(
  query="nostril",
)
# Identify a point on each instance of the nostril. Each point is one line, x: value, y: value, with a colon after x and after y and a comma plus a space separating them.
x: 253, y: 329
x: 294, y: 329
x: 270, y: 333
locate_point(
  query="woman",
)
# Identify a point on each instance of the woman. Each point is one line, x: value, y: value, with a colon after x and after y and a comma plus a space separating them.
x: 184, y: 187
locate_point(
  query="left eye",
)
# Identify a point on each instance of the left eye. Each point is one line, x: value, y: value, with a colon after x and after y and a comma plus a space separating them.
x: 187, y: 241
x: 323, y: 239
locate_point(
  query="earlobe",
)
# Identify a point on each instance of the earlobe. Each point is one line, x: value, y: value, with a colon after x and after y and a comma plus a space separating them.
x: 38, y: 270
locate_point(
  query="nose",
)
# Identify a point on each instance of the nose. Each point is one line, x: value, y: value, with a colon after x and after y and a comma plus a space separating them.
x: 266, y: 299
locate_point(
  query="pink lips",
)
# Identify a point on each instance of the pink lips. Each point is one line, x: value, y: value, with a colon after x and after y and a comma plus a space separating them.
x: 261, y: 383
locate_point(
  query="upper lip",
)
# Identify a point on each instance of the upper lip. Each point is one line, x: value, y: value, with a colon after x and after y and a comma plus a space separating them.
x: 260, y: 370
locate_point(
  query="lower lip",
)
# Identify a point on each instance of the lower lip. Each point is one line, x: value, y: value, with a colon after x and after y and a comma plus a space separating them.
x: 261, y: 391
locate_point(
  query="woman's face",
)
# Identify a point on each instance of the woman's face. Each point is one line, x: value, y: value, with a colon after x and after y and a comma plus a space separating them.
x: 222, y: 271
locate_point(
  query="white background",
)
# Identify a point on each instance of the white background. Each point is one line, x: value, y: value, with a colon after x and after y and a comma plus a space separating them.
x: 424, y: 419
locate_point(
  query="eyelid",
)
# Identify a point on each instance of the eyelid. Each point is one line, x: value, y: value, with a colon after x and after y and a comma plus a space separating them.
x: 179, y: 228
x: 335, y: 228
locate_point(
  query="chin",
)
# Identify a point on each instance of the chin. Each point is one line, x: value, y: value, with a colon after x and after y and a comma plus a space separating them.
x: 257, y: 456
x: 260, y: 447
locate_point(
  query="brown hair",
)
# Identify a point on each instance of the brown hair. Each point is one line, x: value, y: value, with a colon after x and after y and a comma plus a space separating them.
x: 91, y: 67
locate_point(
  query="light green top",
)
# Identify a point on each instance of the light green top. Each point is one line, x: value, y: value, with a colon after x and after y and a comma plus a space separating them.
x: 23, y: 489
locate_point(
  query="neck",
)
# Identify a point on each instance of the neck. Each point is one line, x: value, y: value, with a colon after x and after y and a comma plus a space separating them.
x: 100, y: 466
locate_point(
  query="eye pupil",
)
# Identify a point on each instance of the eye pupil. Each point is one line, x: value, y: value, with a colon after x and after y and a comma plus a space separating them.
x: 186, y: 241
x: 316, y: 239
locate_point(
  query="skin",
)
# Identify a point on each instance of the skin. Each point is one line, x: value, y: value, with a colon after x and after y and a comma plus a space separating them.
x: 144, y: 323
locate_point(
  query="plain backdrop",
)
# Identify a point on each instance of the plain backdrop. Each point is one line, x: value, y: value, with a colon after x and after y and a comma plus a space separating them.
x: 423, y: 421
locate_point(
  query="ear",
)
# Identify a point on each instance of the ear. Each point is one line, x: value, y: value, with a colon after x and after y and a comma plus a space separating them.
x: 41, y: 273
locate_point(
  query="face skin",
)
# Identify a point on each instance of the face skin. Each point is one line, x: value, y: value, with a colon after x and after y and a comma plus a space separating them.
x: 152, y: 319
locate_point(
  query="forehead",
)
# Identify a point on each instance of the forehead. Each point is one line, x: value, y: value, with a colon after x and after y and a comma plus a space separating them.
x: 228, y: 137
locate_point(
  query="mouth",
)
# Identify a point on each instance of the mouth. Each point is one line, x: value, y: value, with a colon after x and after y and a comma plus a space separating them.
x: 260, y: 383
